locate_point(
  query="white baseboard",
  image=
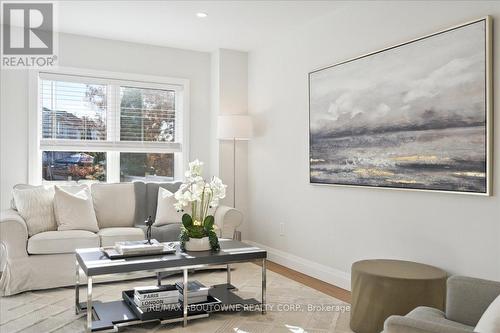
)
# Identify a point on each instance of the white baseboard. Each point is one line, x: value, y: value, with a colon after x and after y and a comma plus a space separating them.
x: 308, y: 267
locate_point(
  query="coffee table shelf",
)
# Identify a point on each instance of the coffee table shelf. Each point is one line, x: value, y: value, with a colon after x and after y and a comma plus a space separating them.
x: 109, y: 316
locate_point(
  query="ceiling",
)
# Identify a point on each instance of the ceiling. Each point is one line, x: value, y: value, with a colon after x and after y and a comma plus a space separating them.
x: 239, y: 25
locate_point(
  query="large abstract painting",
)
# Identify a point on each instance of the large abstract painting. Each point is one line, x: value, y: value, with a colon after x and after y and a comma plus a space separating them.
x: 413, y: 116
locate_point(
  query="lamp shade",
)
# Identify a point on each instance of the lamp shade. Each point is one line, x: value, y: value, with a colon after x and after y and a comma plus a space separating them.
x: 237, y: 127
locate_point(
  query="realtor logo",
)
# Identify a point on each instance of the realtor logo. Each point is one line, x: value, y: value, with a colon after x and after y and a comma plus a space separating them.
x: 28, y: 38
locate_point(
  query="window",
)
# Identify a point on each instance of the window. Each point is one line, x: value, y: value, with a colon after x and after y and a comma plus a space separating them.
x: 146, y: 166
x: 66, y: 166
x: 108, y: 128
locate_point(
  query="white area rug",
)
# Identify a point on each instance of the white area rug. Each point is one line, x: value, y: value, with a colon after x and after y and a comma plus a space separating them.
x: 53, y: 310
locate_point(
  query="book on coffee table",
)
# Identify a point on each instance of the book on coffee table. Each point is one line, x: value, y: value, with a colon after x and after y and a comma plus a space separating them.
x: 197, y: 292
x: 156, y: 301
x: 152, y: 292
x: 153, y: 298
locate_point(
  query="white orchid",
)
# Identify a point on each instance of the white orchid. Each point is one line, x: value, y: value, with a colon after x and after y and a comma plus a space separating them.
x: 198, y: 193
x: 218, y: 190
x: 195, y: 170
x: 179, y: 206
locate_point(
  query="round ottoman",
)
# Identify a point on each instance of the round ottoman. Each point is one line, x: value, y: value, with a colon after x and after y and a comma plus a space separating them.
x: 381, y: 288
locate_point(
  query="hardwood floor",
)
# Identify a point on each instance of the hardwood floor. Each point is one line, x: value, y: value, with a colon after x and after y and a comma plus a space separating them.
x: 311, y: 282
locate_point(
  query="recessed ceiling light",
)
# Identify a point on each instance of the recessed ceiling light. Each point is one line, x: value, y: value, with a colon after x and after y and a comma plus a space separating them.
x: 201, y: 15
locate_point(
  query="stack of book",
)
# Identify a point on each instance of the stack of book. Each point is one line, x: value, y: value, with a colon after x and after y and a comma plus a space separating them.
x: 138, y: 247
x: 156, y: 298
x: 197, y: 292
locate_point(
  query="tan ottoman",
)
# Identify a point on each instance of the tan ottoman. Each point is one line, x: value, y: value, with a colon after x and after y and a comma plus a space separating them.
x: 381, y: 288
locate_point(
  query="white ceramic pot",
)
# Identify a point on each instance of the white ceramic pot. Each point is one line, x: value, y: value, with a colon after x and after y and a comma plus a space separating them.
x: 198, y: 244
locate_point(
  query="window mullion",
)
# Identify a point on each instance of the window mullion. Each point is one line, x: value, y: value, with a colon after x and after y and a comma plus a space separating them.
x: 113, y: 132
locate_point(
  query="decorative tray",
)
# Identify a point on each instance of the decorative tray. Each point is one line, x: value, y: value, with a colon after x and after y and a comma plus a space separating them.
x: 174, y: 312
x: 111, y: 252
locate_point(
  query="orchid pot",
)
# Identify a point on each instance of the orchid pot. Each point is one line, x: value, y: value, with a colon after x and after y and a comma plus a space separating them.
x: 198, y: 244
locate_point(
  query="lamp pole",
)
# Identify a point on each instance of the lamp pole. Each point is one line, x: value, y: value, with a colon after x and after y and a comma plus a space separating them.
x: 234, y: 172
x: 234, y: 127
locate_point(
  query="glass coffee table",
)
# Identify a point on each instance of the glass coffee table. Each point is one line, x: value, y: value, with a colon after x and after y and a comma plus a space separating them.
x: 110, y: 316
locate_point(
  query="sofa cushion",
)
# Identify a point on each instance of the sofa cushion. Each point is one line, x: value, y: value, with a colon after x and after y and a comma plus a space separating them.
x: 140, y: 202
x: 165, y: 210
x: 114, y: 204
x: 35, y: 205
x: 152, y: 196
x: 165, y: 233
x: 69, y: 186
x: 109, y: 236
x: 53, y: 242
x: 74, y: 211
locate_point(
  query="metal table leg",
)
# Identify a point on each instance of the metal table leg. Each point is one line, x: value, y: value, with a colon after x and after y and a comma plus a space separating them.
x: 77, y: 289
x: 228, y: 272
x: 185, y: 300
x: 89, y: 304
x: 263, y: 286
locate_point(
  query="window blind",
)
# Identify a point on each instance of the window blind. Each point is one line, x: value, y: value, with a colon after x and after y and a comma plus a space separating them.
x: 73, y: 111
x: 98, y: 114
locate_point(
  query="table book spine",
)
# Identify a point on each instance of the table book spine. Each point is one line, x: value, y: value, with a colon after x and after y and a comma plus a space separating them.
x: 152, y: 302
x: 160, y: 294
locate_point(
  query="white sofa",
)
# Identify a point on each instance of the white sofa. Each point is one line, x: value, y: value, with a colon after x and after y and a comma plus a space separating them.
x: 47, y: 260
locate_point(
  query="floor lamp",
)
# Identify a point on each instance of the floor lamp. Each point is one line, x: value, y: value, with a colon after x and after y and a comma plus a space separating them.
x: 234, y: 127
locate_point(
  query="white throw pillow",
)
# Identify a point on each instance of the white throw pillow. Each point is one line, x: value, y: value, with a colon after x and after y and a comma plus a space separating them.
x: 165, y: 210
x: 35, y: 205
x: 490, y: 320
x: 74, y: 210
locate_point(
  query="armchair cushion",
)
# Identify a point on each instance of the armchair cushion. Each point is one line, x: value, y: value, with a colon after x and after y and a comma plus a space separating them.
x: 55, y: 242
x: 468, y: 298
x: 436, y: 316
x: 490, y: 320
x: 400, y: 324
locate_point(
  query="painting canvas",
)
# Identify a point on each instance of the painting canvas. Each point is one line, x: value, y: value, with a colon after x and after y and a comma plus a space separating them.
x: 413, y: 116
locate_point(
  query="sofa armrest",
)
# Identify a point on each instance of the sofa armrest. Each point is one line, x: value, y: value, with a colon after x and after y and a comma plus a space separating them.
x: 400, y: 324
x: 227, y: 220
x: 467, y: 298
x: 13, y: 234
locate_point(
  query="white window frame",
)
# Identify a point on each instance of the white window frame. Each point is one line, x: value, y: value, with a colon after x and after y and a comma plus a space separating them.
x: 37, y: 144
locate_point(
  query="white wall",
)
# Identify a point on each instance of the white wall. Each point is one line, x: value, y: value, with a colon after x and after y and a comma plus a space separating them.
x: 108, y: 55
x: 328, y: 228
x: 230, y: 96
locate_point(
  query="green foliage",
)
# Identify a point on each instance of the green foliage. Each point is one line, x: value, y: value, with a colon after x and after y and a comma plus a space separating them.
x: 196, y: 231
x: 187, y: 221
x: 183, y: 238
x: 208, y: 224
x: 214, y: 241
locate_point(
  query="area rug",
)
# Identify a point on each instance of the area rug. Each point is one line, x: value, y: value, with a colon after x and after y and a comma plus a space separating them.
x: 292, y: 307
